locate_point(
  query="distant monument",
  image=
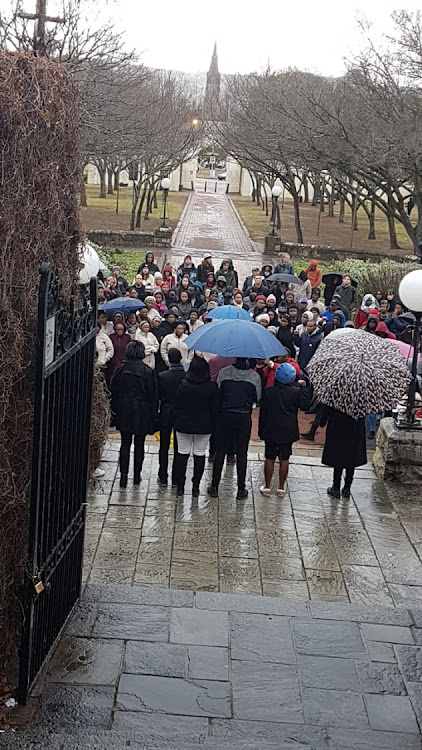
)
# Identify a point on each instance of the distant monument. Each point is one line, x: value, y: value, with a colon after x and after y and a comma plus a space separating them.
x: 212, y: 89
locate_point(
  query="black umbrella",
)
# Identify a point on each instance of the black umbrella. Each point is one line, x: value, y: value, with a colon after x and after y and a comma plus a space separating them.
x: 284, y: 278
x: 328, y: 278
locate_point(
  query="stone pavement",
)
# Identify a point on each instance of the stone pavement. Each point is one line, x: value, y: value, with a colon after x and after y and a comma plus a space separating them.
x: 306, y: 546
x: 150, y: 668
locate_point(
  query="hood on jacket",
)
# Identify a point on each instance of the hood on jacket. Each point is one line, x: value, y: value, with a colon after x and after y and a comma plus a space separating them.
x: 382, y: 328
x: 372, y: 304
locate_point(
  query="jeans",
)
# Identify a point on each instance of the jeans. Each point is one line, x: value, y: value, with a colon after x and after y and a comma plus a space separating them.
x: 165, y: 437
x: 139, y: 453
x: 234, y: 430
x: 371, y: 422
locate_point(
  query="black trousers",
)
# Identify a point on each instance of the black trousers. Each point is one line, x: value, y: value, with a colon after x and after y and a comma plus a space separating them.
x: 233, y: 432
x: 125, y: 453
x: 213, y: 445
x: 338, y: 471
x: 163, y: 455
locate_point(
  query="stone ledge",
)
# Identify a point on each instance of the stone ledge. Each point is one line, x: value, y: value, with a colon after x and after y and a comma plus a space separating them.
x: 160, y: 237
x: 398, y: 456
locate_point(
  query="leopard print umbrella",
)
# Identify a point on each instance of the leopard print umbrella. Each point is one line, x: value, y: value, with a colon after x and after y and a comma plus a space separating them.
x: 358, y: 373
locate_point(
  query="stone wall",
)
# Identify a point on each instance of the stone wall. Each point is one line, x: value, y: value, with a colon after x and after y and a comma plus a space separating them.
x: 158, y: 238
x: 328, y: 254
x: 398, y: 456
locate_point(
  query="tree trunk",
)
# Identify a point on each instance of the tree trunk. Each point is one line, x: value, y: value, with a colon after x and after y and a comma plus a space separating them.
x: 322, y: 196
x: 331, y: 201
x: 135, y: 196
x: 317, y: 192
x: 155, y: 198
x: 103, y: 182
x: 296, y: 208
x: 355, y: 223
x: 394, y: 245
x: 83, y: 199
x: 110, y: 181
x: 148, y: 207
x: 267, y: 211
x: 140, y: 207
x: 371, y: 233
x: 342, y: 204
x: 258, y: 191
x: 116, y: 178
x: 305, y: 189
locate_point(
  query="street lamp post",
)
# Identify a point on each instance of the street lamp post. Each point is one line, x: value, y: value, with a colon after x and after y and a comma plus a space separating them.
x: 276, y: 192
x: 410, y: 293
x: 165, y: 184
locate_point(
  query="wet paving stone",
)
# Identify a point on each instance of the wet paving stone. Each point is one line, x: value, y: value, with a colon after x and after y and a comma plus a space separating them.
x: 366, y: 585
x: 388, y: 634
x: 361, y: 613
x: 239, y: 545
x: 292, y: 590
x: 352, y: 544
x: 193, y: 626
x: 326, y: 585
x: 406, y: 596
x: 334, y: 708
x: 155, y: 550
x: 117, y: 548
x: 328, y: 673
x: 300, y: 736
x: 361, y: 739
x: 82, y: 620
x: 132, y: 622
x: 414, y: 690
x: 196, y: 571
x: 320, y: 638
x: 268, y: 692
x: 86, y: 661
x: 239, y: 574
x: 383, y: 652
x: 208, y: 663
x: 174, y: 696
x: 147, y: 574
x: 253, y: 604
x: 110, y: 575
x: 380, y: 678
x: 67, y: 706
x: 391, y: 713
x: 410, y: 662
x: 161, y: 659
x: 287, y: 568
x: 160, y: 728
x: 261, y: 638
x: 190, y: 537
x: 129, y: 517
x: 140, y: 596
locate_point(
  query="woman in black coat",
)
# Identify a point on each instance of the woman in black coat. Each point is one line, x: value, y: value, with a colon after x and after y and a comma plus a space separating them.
x: 135, y: 406
x: 196, y: 412
x: 345, y: 448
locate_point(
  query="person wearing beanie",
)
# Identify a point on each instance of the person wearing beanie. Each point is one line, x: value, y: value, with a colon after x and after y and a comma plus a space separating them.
x: 158, y: 280
x: 168, y: 383
x: 152, y: 313
x: 278, y: 425
x: 263, y: 320
x: 273, y: 330
x: 271, y: 302
x: 305, y: 317
x: 187, y: 268
x: 259, y: 307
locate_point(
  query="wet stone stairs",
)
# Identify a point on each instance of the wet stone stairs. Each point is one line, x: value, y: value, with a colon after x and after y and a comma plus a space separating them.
x: 148, y: 668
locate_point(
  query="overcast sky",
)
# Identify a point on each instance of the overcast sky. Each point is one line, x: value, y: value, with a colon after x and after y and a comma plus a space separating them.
x: 311, y: 35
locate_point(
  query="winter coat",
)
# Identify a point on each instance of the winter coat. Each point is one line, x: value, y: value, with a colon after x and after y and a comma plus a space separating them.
x: 187, y: 270
x: 383, y: 328
x: 327, y: 317
x: 345, y: 439
x: 151, y: 345
x: 304, y: 290
x: 175, y: 342
x: 397, y: 326
x: 119, y: 345
x: 348, y: 298
x: 284, y: 268
x: 308, y: 344
x: 184, y: 309
x: 168, y: 383
x: 230, y: 275
x: 202, y: 271
x: 194, y: 326
x: 285, y: 337
x: 278, y: 412
x: 196, y: 407
x: 152, y: 267
x: 240, y: 388
x: 104, y: 347
x: 135, y: 398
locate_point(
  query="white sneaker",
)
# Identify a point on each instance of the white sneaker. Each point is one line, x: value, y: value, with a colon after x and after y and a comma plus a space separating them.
x: 281, y: 492
x: 265, y: 491
x: 97, y: 473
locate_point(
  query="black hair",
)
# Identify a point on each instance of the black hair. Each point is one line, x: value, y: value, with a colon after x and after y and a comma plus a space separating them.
x: 179, y: 323
x: 303, y: 276
x: 135, y: 350
x: 199, y: 371
x: 174, y: 355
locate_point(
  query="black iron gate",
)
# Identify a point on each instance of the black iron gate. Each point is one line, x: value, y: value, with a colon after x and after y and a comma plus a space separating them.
x: 62, y: 415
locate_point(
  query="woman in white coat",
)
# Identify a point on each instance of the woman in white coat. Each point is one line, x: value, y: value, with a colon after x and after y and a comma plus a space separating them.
x: 149, y: 341
x: 104, y: 347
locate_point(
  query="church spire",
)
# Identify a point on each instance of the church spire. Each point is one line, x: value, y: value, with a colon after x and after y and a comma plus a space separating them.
x: 212, y: 91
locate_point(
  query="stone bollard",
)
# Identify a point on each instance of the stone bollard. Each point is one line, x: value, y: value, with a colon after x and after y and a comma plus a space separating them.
x: 398, y: 456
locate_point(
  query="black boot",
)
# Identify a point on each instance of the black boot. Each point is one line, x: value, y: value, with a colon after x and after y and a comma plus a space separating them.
x: 182, y: 462
x: 198, y: 470
x: 123, y: 480
x: 138, y: 460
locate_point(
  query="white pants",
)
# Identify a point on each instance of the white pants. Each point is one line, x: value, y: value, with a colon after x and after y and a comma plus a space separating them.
x: 185, y: 441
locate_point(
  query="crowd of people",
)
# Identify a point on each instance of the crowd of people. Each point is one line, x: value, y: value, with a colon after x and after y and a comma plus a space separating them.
x: 157, y: 383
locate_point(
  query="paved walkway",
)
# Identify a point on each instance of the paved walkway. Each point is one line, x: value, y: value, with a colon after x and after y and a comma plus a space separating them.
x: 256, y: 625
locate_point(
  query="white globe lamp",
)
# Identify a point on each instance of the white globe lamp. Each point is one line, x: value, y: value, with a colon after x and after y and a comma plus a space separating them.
x: 410, y: 291
x: 165, y: 183
x: 276, y: 191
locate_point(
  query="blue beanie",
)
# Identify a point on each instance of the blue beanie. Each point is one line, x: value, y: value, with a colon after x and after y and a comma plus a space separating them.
x: 285, y: 373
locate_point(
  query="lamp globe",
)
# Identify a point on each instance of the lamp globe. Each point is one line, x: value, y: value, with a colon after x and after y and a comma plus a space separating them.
x: 165, y: 183
x: 410, y: 291
x: 276, y: 191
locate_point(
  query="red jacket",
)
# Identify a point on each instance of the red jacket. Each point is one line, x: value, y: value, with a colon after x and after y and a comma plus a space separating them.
x: 269, y: 372
x: 362, y: 316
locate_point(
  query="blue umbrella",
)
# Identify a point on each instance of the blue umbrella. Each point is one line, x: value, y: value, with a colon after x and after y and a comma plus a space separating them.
x: 228, y: 312
x: 122, y: 304
x: 235, y: 338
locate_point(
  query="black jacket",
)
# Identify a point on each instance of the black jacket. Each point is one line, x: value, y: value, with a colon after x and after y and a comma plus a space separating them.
x: 345, y: 439
x: 278, y: 413
x: 168, y: 383
x: 307, y: 347
x: 196, y: 407
x: 239, y: 388
x: 285, y: 337
x: 202, y: 272
x: 135, y: 398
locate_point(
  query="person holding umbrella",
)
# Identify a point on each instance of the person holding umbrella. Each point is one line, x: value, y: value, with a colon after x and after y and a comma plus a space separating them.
x: 344, y: 449
x: 278, y: 425
x: 239, y: 388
